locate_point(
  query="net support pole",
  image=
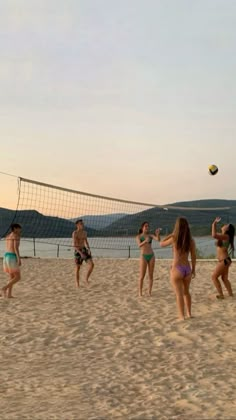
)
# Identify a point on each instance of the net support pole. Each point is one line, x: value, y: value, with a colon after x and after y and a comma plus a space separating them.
x: 34, y: 247
x: 129, y: 251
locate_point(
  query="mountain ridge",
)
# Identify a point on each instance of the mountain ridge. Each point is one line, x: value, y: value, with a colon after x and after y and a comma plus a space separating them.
x: 35, y: 224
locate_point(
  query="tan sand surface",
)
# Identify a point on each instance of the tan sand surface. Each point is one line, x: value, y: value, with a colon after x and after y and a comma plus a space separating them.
x: 103, y: 353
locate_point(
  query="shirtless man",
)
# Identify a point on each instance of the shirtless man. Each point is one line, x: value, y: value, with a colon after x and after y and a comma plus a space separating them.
x: 82, y: 251
x: 11, y: 259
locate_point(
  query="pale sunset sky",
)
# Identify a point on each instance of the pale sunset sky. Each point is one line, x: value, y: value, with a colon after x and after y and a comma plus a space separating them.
x: 125, y: 98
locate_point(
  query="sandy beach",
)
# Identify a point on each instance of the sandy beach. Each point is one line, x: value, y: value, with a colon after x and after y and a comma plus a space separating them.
x: 103, y: 353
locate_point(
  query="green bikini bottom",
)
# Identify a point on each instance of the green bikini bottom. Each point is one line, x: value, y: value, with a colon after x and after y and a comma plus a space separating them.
x: 148, y: 257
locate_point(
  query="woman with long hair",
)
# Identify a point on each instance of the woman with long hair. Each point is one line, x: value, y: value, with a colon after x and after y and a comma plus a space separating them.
x: 147, y: 257
x: 224, y: 251
x: 181, y: 271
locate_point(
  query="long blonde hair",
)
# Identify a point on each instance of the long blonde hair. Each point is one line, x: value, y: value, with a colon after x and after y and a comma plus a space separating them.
x: 182, y: 235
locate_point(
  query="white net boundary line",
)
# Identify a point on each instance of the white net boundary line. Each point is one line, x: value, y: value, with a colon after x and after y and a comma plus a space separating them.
x: 161, y: 206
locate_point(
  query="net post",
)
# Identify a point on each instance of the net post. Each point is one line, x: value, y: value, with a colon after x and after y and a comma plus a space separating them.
x: 129, y: 251
x: 58, y: 249
x: 34, y: 247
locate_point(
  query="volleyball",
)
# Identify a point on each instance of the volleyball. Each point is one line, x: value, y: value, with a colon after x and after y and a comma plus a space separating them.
x: 212, y: 169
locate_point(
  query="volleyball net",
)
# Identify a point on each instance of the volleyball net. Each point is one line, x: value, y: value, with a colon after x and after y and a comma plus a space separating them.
x: 48, y: 213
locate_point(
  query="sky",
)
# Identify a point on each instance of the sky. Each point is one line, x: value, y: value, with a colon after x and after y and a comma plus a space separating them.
x: 130, y: 99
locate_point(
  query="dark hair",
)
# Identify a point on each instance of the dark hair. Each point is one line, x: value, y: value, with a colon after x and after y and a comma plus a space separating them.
x: 78, y: 221
x: 141, y: 227
x: 182, y: 235
x: 15, y: 226
x: 231, y: 232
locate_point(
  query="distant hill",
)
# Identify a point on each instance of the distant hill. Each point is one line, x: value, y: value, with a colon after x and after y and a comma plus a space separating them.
x: 207, y: 203
x: 199, y: 220
x: 36, y: 225
x: 99, y: 222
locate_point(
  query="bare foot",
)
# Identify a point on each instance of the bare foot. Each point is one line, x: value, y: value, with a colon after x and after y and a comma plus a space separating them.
x: 180, y: 320
x: 11, y: 297
x: 189, y: 316
x: 4, y: 292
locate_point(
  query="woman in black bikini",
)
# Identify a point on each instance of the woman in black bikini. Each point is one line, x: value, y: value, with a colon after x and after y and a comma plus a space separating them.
x: 224, y: 250
x: 147, y: 257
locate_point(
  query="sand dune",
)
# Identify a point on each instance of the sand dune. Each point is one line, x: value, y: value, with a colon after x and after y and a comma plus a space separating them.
x: 103, y: 353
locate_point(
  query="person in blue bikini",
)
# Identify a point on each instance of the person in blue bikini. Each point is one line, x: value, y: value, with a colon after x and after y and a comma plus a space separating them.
x: 224, y: 250
x: 147, y: 257
x: 12, y: 259
x: 181, y: 271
